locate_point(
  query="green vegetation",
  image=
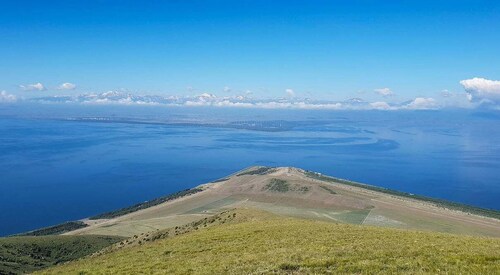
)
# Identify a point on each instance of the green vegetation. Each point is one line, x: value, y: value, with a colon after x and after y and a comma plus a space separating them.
x: 329, y: 190
x: 21, y: 255
x: 277, y: 185
x: 251, y: 242
x: 144, y: 205
x: 354, y: 217
x: 258, y: 171
x: 438, y: 202
x: 56, y: 229
x: 303, y: 189
x: 220, y: 180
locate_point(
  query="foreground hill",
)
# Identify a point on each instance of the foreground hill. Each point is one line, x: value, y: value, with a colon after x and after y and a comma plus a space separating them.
x: 296, y: 193
x: 269, y: 219
x: 21, y: 255
x: 245, y: 241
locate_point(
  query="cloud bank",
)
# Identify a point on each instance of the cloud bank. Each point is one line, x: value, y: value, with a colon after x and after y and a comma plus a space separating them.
x: 33, y: 87
x: 240, y: 101
x: 66, y: 86
x: 385, y: 92
x: 422, y: 103
x: 479, y: 89
x: 5, y: 97
x: 380, y: 105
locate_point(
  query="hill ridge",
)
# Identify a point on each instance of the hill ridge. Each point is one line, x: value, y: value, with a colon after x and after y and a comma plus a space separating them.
x: 299, y: 193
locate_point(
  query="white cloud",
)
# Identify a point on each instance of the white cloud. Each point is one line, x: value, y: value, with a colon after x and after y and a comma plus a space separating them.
x: 447, y: 93
x: 32, y: 87
x: 422, y: 103
x: 482, y: 89
x: 227, y: 89
x: 5, y: 97
x: 290, y: 92
x: 206, y: 97
x: 385, y: 92
x: 211, y: 100
x: 380, y: 105
x: 66, y: 86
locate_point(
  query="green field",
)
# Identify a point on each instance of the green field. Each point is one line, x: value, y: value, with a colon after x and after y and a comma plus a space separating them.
x: 254, y: 242
x: 257, y: 171
x: 20, y: 255
x: 438, y: 202
x: 277, y: 185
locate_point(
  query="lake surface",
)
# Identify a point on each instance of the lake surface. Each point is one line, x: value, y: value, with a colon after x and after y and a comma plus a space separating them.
x: 65, y: 163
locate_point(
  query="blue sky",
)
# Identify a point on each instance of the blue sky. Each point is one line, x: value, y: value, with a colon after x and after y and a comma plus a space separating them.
x: 331, y: 50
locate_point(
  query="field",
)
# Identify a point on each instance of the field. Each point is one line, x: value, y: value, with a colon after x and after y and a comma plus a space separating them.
x: 438, y: 202
x: 295, y: 193
x: 20, y: 255
x: 248, y: 241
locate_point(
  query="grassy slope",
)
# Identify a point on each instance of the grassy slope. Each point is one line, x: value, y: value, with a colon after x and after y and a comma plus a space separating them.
x: 257, y: 242
x: 26, y: 254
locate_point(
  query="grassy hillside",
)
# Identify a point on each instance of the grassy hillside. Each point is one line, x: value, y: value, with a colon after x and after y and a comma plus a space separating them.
x: 20, y: 255
x: 247, y: 241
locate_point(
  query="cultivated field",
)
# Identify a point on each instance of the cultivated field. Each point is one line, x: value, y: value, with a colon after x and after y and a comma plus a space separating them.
x: 293, y: 192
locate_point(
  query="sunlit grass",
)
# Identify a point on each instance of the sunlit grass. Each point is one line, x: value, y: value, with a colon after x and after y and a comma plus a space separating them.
x: 271, y: 244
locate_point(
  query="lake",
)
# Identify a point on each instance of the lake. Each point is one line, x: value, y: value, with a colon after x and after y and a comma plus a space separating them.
x: 62, y: 163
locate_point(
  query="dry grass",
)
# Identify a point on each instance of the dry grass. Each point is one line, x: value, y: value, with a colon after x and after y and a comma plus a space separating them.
x: 256, y: 242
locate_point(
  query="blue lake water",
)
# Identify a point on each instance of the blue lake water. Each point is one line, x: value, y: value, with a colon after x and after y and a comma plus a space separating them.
x: 54, y: 169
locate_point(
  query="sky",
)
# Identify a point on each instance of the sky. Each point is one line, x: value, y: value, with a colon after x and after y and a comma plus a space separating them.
x: 380, y: 51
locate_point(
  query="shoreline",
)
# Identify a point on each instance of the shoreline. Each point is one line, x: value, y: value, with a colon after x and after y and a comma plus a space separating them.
x: 112, y: 215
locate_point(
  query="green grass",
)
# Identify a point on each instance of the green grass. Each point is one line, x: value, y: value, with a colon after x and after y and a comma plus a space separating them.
x: 282, y: 186
x: 56, y: 229
x: 354, y: 217
x: 329, y: 190
x: 258, y: 171
x: 438, y: 202
x: 20, y: 255
x: 277, y: 185
x: 220, y: 180
x: 144, y: 205
x: 255, y: 243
